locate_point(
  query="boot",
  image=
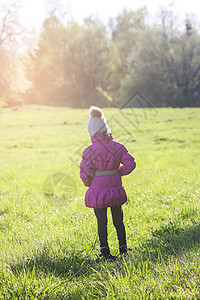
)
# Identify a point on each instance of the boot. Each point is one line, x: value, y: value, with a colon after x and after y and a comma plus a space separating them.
x: 123, y: 250
x: 105, y: 252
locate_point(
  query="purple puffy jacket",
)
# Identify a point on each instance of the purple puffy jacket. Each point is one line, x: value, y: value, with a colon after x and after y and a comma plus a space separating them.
x: 105, y: 154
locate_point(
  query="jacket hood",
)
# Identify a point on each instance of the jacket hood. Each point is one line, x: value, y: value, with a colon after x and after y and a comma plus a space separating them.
x: 99, y: 138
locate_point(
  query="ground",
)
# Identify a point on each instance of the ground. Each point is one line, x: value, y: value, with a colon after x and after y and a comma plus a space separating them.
x: 48, y: 239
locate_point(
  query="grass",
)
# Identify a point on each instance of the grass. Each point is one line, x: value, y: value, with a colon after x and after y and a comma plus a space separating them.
x: 48, y: 239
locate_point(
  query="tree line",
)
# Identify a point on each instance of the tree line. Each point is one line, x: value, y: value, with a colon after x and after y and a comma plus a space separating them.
x: 78, y: 65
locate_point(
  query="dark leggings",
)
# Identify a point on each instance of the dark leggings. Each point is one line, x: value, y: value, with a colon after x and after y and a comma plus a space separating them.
x: 117, y: 216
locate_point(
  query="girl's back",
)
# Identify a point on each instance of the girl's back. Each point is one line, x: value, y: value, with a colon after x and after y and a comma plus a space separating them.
x: 101, y: 171
x: 105, y: 154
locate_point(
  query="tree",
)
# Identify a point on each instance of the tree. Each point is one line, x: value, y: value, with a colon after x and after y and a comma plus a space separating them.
x: 125, y: 29
x: 165, y: 65
x: 79, y: 65
x: 93, y: 59
x: 11, y: 38
x: 47, y: 61
x: 73, y: 63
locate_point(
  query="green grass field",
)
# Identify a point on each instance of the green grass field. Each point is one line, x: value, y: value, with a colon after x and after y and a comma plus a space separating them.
x: 49, y: 247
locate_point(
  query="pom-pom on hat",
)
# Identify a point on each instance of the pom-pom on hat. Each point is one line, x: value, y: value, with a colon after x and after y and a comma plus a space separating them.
x: 97, y: 122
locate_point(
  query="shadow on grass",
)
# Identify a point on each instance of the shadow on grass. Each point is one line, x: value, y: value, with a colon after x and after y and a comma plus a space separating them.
x: 170, y: 239
x: 71, y: 265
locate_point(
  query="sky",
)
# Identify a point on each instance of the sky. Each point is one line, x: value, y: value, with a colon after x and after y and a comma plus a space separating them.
x: 33, y: 12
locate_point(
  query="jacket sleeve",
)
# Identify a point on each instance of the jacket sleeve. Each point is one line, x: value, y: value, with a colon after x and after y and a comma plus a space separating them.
x: 128, y: 163
x: 86, y: 168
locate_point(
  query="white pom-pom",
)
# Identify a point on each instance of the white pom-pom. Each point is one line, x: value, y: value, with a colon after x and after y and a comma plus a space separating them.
x: 96, y: 112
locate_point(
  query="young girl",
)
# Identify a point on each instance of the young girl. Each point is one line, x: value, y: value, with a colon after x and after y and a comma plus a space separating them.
x: 100, y: 170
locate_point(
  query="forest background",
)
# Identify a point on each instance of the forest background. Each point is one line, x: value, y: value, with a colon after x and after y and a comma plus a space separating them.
x: 76, y: 65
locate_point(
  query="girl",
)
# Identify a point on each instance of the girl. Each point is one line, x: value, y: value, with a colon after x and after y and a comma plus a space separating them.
x: 100, y: 170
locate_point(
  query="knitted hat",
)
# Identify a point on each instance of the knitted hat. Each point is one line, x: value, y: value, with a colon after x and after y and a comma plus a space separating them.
x: 97, y: 122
